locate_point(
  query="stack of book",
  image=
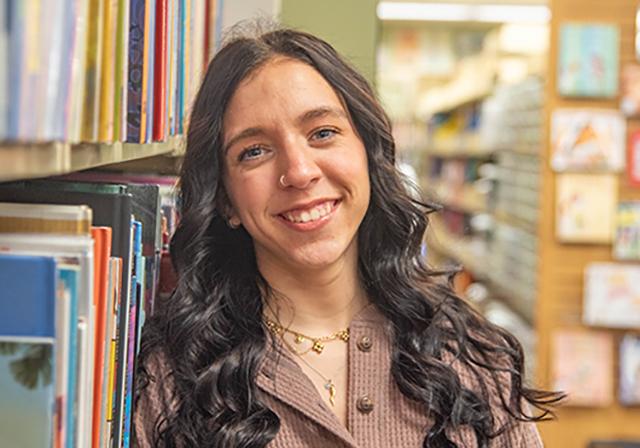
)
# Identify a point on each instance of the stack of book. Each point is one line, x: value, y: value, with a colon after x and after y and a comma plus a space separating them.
x: 80, y: 263
x: 101, y: 70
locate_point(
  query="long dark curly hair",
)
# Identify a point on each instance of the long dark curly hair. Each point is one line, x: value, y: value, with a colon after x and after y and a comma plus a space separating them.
x: 211, y: 332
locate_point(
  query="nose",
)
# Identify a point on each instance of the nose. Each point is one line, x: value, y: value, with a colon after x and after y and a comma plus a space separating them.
x: 298, y: 165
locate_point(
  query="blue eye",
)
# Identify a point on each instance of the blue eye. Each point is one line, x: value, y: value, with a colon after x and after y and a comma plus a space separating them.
x: 324, y: 134
x: 250, y: 153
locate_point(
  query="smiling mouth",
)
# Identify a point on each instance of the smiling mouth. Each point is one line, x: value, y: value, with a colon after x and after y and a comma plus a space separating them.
x: 315, y: 213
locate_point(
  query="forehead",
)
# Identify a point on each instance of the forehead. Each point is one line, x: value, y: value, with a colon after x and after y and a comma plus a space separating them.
x: 282, y: 88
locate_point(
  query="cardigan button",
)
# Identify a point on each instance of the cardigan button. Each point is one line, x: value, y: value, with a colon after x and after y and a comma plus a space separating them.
x: 364, y: 404
x: 364, y: 344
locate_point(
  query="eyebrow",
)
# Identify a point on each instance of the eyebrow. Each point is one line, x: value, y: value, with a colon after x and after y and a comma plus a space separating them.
x: 318, y: 112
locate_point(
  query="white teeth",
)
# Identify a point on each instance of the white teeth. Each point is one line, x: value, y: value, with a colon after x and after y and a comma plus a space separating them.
x: 311, y: 215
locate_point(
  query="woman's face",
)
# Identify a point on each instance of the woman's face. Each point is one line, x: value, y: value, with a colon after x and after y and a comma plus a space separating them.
x: 286, y: 120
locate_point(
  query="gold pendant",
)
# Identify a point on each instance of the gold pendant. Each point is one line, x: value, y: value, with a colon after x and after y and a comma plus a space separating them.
x: 318, y: 347
x: 332, y: 391
x: 344, y: 335
x: 299, y: 339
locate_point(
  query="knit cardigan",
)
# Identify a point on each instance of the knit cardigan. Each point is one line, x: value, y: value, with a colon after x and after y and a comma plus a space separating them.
x: 378, y: 416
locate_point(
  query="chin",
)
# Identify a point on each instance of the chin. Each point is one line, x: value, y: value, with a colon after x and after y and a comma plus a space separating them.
x: 319, y: 257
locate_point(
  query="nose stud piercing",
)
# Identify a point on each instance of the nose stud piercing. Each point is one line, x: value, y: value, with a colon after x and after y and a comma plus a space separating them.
x: 282, y: 181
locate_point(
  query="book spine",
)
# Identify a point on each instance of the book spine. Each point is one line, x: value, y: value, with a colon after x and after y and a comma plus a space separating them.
x: 93, y: 72
x: 160, y: 71
x: 136, y: 102
x: 150, y: 73
x: 121, y: 70
x: 107, y: 88
x: 75, y: 103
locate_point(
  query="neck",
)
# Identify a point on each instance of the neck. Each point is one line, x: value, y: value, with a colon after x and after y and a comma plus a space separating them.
x: 314, y: 301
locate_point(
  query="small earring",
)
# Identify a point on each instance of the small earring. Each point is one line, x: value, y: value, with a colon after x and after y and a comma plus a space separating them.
x: 233, y: 222
x: 283, y: 183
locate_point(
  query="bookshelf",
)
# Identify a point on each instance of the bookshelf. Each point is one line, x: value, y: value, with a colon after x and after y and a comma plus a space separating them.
x: 28, y: 161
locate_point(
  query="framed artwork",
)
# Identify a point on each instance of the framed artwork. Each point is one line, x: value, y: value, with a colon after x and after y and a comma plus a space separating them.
x: 588, y: 140
x: 585, y: 207
x: 626, y: 245
x: 630, y: 98
x: 588, y: 60
x: 612, y: 295
x: 633, y: 165
x: 629, y: 393
x: 583, y: 366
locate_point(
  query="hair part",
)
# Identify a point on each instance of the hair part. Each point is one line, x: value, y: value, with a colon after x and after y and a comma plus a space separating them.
x: 211, y: 332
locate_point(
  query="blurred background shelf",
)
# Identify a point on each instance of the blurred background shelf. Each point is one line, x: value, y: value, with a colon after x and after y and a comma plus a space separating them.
x: 34, y: 160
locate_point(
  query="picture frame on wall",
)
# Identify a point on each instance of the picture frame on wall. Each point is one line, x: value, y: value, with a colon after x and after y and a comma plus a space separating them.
x: 585, y: 207
x: 582, y: 366
x: 633, y: 159
x: 612, y: 295
x: 588, y: 60
x: 588, y: 140
x: 626, y: 245
x: 629, y: 393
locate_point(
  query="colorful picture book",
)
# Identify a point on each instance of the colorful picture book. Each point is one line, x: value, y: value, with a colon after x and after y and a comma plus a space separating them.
x: 612, y: 295
x: 630, y: 370
x: 588, y: 60
x: 28, y: 408
x: 588, y: 140
x: 626, y: 245
x: 585, y: 207
x: 582, y: 364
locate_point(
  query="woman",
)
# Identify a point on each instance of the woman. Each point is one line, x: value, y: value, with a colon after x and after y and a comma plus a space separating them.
x: 304, y: 315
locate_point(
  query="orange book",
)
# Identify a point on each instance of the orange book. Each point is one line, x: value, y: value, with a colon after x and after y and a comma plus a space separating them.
x: 160, y: 71
x: 102, y: 252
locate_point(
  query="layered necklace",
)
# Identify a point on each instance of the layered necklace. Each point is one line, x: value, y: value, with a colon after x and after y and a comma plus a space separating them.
x: 315, y: 344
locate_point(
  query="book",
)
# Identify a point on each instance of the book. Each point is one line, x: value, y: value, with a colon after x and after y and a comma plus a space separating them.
x: 630, y: 370
x: 115, y: 302
x: 121, y: 82
x: 626, y: 245
x: 585, y: 207
x: 45, y: 218
x: 27, y: 350
x: 4, y: 68
x: 109, y: 17
x: 78, y: 248
x: 612, y: 295
x: 93, y: 72
x: 135, y: 102
x: 148, y: 86
x: 102, y: 254
x: 75, y: 101
x: 160, y: 70
x: 588, y: 140
x: 582, y: 365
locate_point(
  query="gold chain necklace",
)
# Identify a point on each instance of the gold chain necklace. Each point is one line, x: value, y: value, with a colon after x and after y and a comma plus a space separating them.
x: 317, y: 344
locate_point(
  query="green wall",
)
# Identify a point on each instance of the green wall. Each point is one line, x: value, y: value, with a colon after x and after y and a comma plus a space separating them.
x: 351, y: 26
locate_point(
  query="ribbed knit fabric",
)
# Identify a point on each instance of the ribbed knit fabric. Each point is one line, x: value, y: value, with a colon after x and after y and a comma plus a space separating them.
x: 307, y: 422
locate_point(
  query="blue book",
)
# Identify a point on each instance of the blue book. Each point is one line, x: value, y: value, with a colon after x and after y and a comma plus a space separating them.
x: 69, y: 276
x: 27, y: 355
x: 28, y: 296
x: 17, y: 30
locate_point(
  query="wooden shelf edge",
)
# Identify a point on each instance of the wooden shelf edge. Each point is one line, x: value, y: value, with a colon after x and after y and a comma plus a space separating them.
x: 28, y: 161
